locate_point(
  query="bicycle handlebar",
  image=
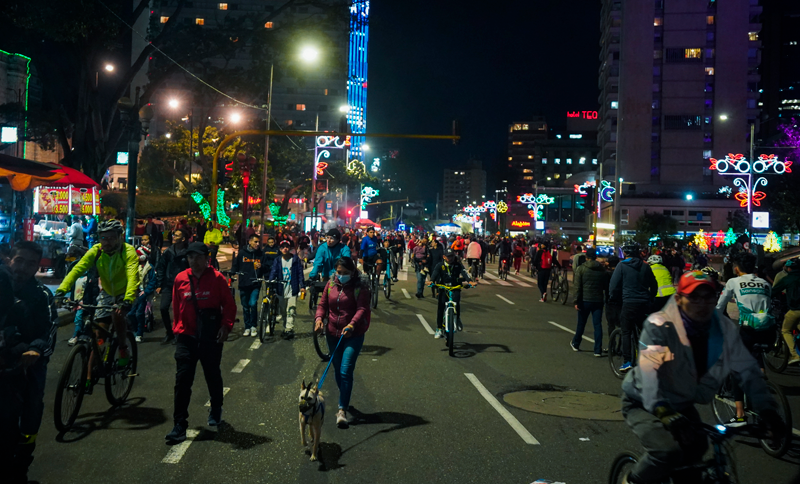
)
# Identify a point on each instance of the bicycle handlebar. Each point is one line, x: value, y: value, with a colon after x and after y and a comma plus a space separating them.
x: 70, y: 304
x: 450, y: 288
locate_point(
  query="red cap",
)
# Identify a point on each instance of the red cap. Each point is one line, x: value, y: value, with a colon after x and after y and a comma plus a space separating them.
x: 691, y: 280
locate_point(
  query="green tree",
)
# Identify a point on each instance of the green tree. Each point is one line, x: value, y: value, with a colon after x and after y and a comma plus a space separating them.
x: 653, y: 224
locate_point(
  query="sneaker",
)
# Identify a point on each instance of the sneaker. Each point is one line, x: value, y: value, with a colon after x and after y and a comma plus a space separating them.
x: 138, y: 339
x: 288, y: 334
x: 598, y: 355
x: 574, y: 348
x: 246, y: 332
x: 544, y: 297
x: 437, y: 334
x: 72, y: 341
x: 736, y: 422
x: 215, y: 416
x: 177, y: 435
x: 253, y: 332
x: 170, y: 338
x: 792, y: 361
x: 541, y: 300
x: 341, y: 419
x: 624, y: 368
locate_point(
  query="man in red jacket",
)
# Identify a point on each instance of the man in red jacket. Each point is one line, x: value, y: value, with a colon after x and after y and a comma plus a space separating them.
x: 204, y: 311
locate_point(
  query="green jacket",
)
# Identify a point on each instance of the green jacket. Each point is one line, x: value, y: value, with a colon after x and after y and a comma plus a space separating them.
x: 119, y: 273
x: 591, y: 282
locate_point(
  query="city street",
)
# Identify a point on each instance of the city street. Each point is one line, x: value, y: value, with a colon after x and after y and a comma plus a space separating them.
x: 420, y: 415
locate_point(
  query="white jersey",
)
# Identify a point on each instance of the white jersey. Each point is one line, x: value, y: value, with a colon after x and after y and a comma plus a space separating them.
x: 753, y: 298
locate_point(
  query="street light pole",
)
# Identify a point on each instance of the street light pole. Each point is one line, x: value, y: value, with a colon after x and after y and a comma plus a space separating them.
x: 191, y: 156
x: 264, y: 204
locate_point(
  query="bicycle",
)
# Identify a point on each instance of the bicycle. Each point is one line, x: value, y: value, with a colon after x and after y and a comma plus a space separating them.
x: 776, y: 355
x: 450, y: 315
x: 615, y: 358
x: 502, y: 272
x: 372, y: 276
x: 559, y: 285
x: 387, y: 280
x: 268, y: 315
x: 72, y: 382
x: 314, y: 290
x: 719, y: 469
x: 474, y: 269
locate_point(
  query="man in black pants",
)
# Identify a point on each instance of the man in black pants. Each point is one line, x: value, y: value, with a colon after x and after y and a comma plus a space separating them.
x: 633, y: 282
x: 169, y: 266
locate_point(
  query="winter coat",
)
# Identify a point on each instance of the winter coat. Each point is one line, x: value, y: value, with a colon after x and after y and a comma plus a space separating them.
x: 325, y: 259
x: 169, y: 265
x: 34, y: 317
x: 591, y: 282
x: 474, y: 250
x: 791, y: 284
x: 634, y: 282
x: 345, y: 304
x: 119, y: 272
x: 212, y: 292
x: 436, y: 255
x: 449, y: 274
x: 245, y: 264
x: 369, y: 247
x: 276, y: 274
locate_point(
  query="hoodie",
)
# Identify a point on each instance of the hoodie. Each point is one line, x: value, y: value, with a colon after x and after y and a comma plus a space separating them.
x: 591, y: 282
x: 245, y: 263
x: 633, y: 282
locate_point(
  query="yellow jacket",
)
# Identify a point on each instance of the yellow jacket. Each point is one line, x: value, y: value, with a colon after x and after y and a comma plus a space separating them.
x: 119, y: 272
x: 663, y: 279
x: 213, y: 236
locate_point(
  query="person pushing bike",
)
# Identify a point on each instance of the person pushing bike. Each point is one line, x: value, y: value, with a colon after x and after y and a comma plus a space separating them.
x: 449, y: 272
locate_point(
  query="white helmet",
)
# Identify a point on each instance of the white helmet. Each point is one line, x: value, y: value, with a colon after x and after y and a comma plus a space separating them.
x: 654, y: 259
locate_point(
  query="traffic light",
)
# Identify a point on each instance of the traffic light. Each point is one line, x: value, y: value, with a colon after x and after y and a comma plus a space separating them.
x: 590, y: 201
x: 224, y: 174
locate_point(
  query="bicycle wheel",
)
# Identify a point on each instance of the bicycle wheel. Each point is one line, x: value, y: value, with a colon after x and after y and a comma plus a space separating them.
x: 622, y: 467
x: 450, y: 328
x: 778, y: 449
x: 373, y: 286
x: 272, y: 318
x: 777, y: 358
x: 321, y: 343
x: 119, y: 379
x: 555, y: 289
x: 262, y: 322
x: 387, y: 287
x: 723, y: 404
x: 71, y: 383
x: 615, y: 359
x: 564, y: 290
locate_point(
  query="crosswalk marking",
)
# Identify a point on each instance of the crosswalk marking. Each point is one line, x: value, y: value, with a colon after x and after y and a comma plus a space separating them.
x: 256, y: 345
x: 504, y: 299
x: 518, y: 281
x: 405, y: 293
x: 176, y: 452
x: 240, y: 366
x: 590, y: 340
x: 497, y: 279
x: 225, y: 391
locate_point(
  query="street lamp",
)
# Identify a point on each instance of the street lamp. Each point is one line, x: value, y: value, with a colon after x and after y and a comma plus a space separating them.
x: 236, y: 117
x: 173, y: 103
x: 109, y: 67
x: 723, y: 117
x: 344, y: 108
x: 309, y: 54
x: 365, y: 147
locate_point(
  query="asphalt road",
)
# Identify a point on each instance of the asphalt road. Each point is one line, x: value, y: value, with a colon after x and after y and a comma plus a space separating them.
x: 420, y: 415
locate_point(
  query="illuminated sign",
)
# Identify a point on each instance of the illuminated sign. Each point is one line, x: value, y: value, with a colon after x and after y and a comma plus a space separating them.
x: 321, y: 167
x: 761, y: 220
x: 540, y: 225
x: 376, y: 165
x: 520, y: 223
x: 737, y: 165
x: 582, y: 114
x: 122, y: 157
x: 606, y: 191
x: 8, y: 134
x: 529, y: 198
x: 502, y: 207
x: 581, y: 189
x: 367, y: 194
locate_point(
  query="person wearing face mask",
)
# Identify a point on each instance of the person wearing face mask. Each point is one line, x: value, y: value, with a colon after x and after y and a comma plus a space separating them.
x: 327, y: 255
x: 449, y: 272
x: 345, y: 305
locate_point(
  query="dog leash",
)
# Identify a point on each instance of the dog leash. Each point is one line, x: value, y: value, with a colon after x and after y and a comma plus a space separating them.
x: 325, y: 373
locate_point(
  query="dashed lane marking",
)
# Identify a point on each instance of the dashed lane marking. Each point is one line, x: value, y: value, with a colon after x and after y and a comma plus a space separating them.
x: 225, y: 391
x: 256, y: 345
x: 240, y: 366
x: 406, y: 294
x: 425, y: 323
x: 504, y: 299
x: 510, y: 419
x: 590, y: 340
x: 176, y: 452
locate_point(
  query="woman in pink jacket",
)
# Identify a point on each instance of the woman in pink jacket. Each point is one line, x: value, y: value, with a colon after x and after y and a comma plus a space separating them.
x: 345, y: 304
x: 474, y: 255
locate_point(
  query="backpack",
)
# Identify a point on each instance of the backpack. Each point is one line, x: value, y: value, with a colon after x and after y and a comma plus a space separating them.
x: 547, y: 260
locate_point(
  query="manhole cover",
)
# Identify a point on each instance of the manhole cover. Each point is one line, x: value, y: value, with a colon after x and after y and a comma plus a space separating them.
x: 583, y: 405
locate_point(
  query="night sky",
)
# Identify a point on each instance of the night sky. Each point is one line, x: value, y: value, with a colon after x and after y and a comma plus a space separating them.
x: 486, y: 63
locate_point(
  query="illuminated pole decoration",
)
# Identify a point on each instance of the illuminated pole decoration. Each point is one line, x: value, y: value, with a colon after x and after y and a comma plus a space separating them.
x: 772, y: 242
x: 535, y: 204
x: 730, y: 237
x: 367, y: 194
x: 738, y: 166
x: 322, y: 147
x: 357, y: 75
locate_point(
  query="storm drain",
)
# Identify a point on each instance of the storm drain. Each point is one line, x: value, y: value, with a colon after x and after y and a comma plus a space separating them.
x: 568, y: 403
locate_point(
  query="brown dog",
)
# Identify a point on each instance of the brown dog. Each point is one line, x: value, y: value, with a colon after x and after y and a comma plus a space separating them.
x: 312, y: 414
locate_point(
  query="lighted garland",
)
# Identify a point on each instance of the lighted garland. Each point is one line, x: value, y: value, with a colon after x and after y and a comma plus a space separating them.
x: 201, y: 201
x: 275, y: 210
x: 222, y: 217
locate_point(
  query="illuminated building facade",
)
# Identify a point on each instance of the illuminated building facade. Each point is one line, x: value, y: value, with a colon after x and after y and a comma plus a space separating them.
x: 357, y: 76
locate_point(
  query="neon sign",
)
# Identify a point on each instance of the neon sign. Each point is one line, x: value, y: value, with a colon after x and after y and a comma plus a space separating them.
x: 376, y: 165
x: 502, y: 207
x: 606, y: 191
x: 367, y: 194
x: 581, y: 189
x: 520, y: 223
x: 529, y: 198
x: 321, y: 167
x: 737, y: 165
x: 582, y: 114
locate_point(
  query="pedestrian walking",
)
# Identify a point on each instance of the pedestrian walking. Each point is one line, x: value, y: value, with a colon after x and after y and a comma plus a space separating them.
x: 204, y: 313
x: 591, y: 291
x: 421, y: 259
x: 288, y: 268
x: 172, y: 263
x: 543, y: 264
x: 345, y: 305
x: 248, y: 265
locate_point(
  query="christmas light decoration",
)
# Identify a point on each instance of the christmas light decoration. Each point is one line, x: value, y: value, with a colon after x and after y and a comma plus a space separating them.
x: 277, y: 219
x: 730, y: 237
x: 719, y: 239
x: 772, y: 242
x: 581, y: 189
x: 700, y: 241
x: 737, y: 165
x: 205, y: 207
x: 222, y: 217
x: 367, y: 194
x: 356, y: 167
x: 607, y: 191
x: 502, y: 207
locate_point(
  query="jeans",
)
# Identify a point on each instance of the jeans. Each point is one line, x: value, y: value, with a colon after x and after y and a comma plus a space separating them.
x: 249, y: 298
x: 288, y: 309
x: 664, y: 450
x: 78, y: 322
x: 187, y: 353
x: 543, y: 277
x: 136, y: 315
x: 420, y: 282
x: 344, y: 364
x: 165, y: 308
x: 595, y: 309
x: 440, y: 310
x: 632, y: 314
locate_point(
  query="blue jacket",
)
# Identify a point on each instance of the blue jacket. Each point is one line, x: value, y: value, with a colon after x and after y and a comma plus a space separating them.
x: 369, y: 247
x: 276, y: 273
x: 326, y: 257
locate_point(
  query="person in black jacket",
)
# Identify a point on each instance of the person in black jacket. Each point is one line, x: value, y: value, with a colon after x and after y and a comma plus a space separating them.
x: 449, y: 272
x: 27, y: 339
x: 270, y: 252
x: 591, y: 291
x: 248, y: 264
x: 170, y: 264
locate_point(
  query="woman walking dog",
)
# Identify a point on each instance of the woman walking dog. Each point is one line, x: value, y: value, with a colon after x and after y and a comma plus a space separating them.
x: 345, y: 304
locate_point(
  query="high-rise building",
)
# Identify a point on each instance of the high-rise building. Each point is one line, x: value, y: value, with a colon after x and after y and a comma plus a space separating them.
x: 780, y: 71
x: 357, y: 76
x: 463, y: 186
x: 679, y: 84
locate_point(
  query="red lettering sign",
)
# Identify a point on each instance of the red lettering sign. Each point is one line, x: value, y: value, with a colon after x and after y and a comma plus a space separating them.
x: 520, y: 223
x: 582, y: 114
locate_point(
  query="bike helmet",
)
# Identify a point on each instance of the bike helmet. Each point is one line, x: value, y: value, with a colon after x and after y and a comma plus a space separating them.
x: 654, y: 259
x: 112, y: 225
x: 711, y: 272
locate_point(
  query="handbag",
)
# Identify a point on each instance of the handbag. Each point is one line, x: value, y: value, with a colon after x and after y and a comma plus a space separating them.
x: 209, y: 320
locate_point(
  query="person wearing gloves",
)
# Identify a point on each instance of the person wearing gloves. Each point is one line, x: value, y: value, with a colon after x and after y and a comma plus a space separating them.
x: 345, y: 305
x: 147, y: 288
x: 288, y: 268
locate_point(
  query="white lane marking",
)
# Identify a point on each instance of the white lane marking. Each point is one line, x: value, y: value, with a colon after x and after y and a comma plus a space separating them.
x: 796, y: 432
x: 225, y: 391
x: 425, y: 323
x: 176, y: 451
x: 504, y: 299
x: 512, y: 421
x: 590, y: 340
x: 498, y: 280
x: 240, y: 366
x: 402, y: 275
x: 256, y: 345
x: 406, y: 294
x: 518, y: 281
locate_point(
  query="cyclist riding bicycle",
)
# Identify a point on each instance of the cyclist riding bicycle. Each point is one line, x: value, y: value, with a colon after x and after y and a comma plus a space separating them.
x: 327, y: 255
x: 449, y: 272
x: 687, y: 351
x: 384, y: 259
x: 369, y: 251
x: 753, y: 298
x: 118, y: 267
x: 504, y: 254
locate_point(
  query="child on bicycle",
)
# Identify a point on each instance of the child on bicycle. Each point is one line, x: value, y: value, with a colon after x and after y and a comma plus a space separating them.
x: 384, y: 259
x: 449, y: 272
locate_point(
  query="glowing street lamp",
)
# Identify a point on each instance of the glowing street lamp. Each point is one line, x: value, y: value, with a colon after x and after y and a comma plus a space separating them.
x: 309, y: 54
x: 109, y: 67
x: 236, y: 117
x: 173, y: 103
x: 343, y: 109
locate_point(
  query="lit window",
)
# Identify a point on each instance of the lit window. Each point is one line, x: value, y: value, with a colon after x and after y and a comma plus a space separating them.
x: 289, y: 122
x: 455, y: 173
x: 569, y: 161
x: 527, y: 178
x: 657, y: 21
x: 575, y: 136
x: 614, y: 104
x: 268, y: 25
x: 710, y: 20
x: 300, y: 107
x: 752, y: 35
x: 527, y: 171
x: 164, y: 19
x: 517, y: 142
x: 199, y: 21
x: 222, y: 6
x: 709, y: 71
x: 509, y: 158
x: 692, y: 53
x: 594, y: 161
x: 709, y: 53
x: 530, y: 157
x: 520, y: 127
x: 706, y: 154
x: 544, y: 161
x: 582, y: 160
x: 558, y: 161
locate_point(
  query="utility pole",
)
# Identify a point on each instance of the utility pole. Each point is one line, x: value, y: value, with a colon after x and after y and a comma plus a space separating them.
x: 264, y: 204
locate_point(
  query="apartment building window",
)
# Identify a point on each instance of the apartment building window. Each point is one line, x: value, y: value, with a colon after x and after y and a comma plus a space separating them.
x: 526, y: 170
x: 289, y: 122
x: 751, y: 104
x: 657, y: 54
x: 594, y: 161
x: 527, y: 178
x: 656, y: 71
x: 657, y: 36
x: 530, y: 157
x: 710, y: 20
x: 657, y: 21
x: 709, y: 87
x: 706, y: 154
x: 686, y: 122
x: 614, y: 104
x: 269, y: 25
x: 569, y: 161
x: 222, y: 6
x: 710, y: 53
x: 582, y: 161
x: 164, y: 19
x: 509, y: 158
x: 708, y: 138
x: 558, y: 161
x: 752, y: 53
x: 709, y: 71
x: 656, y: 87
x: 752, y: 36
x: 656, y: 104
x: 544, y: 161
x: 654, y: 137
x: 693, y: 53
x: 624, y: 216
x: 709, y: 36
x: 199, y: 21
x: 518, y: 143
